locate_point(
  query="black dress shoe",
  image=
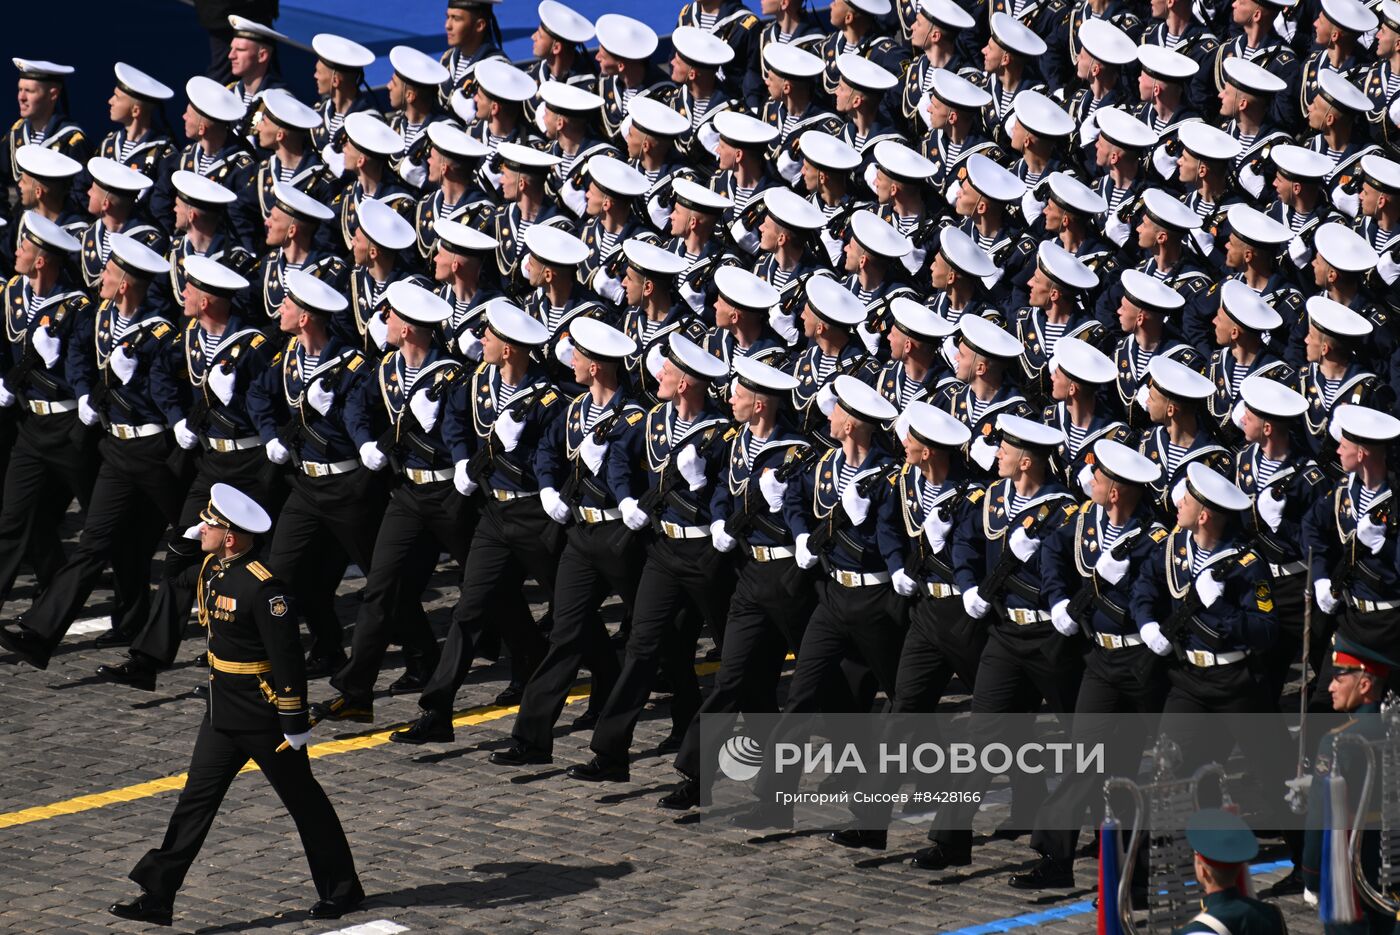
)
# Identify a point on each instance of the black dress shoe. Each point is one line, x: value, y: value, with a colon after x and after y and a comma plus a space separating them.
x: 1290, y: 885
x: 202, y: 660
x: 335, y: 908
x: 762, y: 818
x: 112, y: 638
x: 595, y: 771
x: 320, y: 667
x: 685, y: 796
x: 431, y: 727
x: 672, y: 743
x: 344, y: 708
x: 24, y: 645
x: 143, y: 909
x: 585, y: 721
x: 939, y: 858
x: 1008, y: 832
x: 410, y: 683
x: 129, y: 673
x: 856, y: 837
x: 510, y: 696
x: 1049, y: 873
x: 516, y: 755
x: 201, y: 690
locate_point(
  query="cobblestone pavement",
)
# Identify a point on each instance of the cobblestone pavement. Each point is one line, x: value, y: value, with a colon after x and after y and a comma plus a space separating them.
x: 445, y: 842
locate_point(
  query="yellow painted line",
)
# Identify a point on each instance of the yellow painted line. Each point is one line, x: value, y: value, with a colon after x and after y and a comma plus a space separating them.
x: 468, y: 717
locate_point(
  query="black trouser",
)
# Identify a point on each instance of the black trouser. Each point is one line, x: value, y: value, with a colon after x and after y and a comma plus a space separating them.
x: 598, y: 560
x: 398, y: 573
x: 513, y: 538
x: 1289, y: 601
x: 133, y: 479
x: 768, y: 614
x: 47, y: 449
x: 1117, y: 683
x: 159, y: 639
x: 678, y: 572
x: 45, y: 550
x: 218, y: 756
x: 942, y: 641
x: 1021, y: 667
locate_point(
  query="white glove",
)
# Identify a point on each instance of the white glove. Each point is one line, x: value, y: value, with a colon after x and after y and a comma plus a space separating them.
x: 1088, y: 131
x: 122, y: 364
x: 708, y: 136
x: 974, y: 605
x: 1327, y: 602
x: 1031, y: 207
x: 1151, y: 634
x: 609, y: 288
x: 655, y: 361
x: 1164, y: 162
x: 192, y: 532
x: 297, y: 741
x: 1346, y: 202
x: 870, y: 339
x: 659, y: 214
x: 1116, y: 230
x: 425, y: 410
x: 936, y: 531
x: 826, y: 398
x: 722, y: 540
x: 469, y: 344
x: 984, y: 453
x: 901, y: 426
x: 277, y: 452
x: 1111, y: 569
x: 1237, y: 415
x: 1140, y: 397
x: 1022, y: 545
x: 6, y: 397
x: 904, y: 585
x: 1388, y: 269
x: 86, y: 414
x: 1209, y: 589
x: 592, y: 452
x: 1204, y: 242
x: 378, y: 330
x: 1178, y: 491
x: 633, y: 516
x: 464, y: 484
x: 1086, y: 478
x: 221, y: 382
x: 319, y: 397
x: 857, y: 507
x: 564, y: 352
x: 553, y: 504
x: 372, y: 458
x: 1297, y: 795
x: 805, y: 559
x: 1251, y: 181
x: 1298, y: 252
x: 692, y: 468
x: 1309, y: 897
x: 784, y: 325
x: 1063, y: 622
x: 334, y: 160
x: 414, y: 175
x: 575, y: 200
x: 788, y: 167
x: 184, y: 437
x: 1270, y: 509
x: 772, y: 490
x: 1371, y: 534
x: 465, y: 109
x: 46, y: 343
x: 508, y: 429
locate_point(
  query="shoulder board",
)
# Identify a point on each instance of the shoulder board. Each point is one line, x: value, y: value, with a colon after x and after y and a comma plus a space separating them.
x: 1249, y: 558
x: 1313, y: 476
x: 749, y: 22
x: 634, y: 417
x: 259, y: 571
x: 1071, y: 509
x: 277, y: 358
x: 258, y: 341
x: 731, y: 434
x: 1158, y: 533
x: 161, y: 330
x: 976, y: 495
x: 355, y: 362
x: 548, y: 399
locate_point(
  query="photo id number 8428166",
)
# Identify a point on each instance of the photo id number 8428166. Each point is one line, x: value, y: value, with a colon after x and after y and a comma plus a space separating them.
x: 944, y: 797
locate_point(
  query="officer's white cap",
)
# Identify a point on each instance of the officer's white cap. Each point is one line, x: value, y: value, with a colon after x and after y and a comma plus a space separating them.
x: 987, y: 338
x: 763, y: 378
x: 599, y: 340
x: 1025, y: 434
x: 44, y: 163
x: 135, y: 257
x: 47, y: 234
x: 463, y: 239
x: 625, y: 37
x: 745, y: 289
x: 1073, y: 194
x: 1150, y: 293
x: 1332, y: 317
x: 341, y: 53
x: 137, y: 83
x: 739, y: 129
x: 690, y: 357
x: 233, y: 509
x: 298, y: 204
x: 286, y: 110
x: 115, y: 177
x: 862, y: 74
x: 652, y: 260
x: 1165, y: 64
x: 1082, y: 362
x: 935, y: 428
x: 792, y: 210
x: 1251, y: 78
x: 1381, y: 173
x: 1297, y: 162
x: 834, y: 303
x: 1256, y: 227
x: 658, y: 120
x: 385, y: 226
x: 1343, y: 93
x: 213, y: 100
x: 1389, y: 12
x: 1124, y: 464
x: 1169, y: 212
x: 992, y: 181
x: 212, y: 277
x: 504, y: 81
x: 827, y: 152
x: 1176, y: 379
x: 554, y: 246
x: 41, y: 70
x: 526, y: 158
x: 1107, y: 43
x: 963, y: 253
x: 564, y: 98
x: 417, y: 305
x: 1344, y: 249
x: 513, y: 325
x: 616, y: 177
x: 454, y: 143
x: 919, y: 321
x: 1213, y: 491
x: 902, y: 163
x: 879, y: 237
x: 1123, y: 129
x: 562, y: 22
x: 1064, y: 267
x: 194, y: 189
x: 700, y: 198
x: 701, y: 47
x: 1272, y: 399
x: 1040, y: 115
x: 956, y: 91
x: 791, y: 62
x: 1247, y: 308
x: 947, y: 14
x: 1207, y: 142
x: 313, y: 294
x: 1363, y: 425
x: 1350, y: 15
x: 247, y: 28
x: 372, y: 136
x: 1015, y: 36
x: 862, y: 400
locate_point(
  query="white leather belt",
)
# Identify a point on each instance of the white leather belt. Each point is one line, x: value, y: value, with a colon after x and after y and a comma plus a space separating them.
x: 677, y: 531
x: 1025, y: 616
x: 43, y: 408
x: 321, y: 469
x: 1114, y: 641
x: 1204, y: 659
x: 416, y: 476
x: 235, y: 444
x: 593, y: 516
x: 771, y: 553
x: 939, y: 589
x: 1291, y: 568
x: 117, y: 430
x: 854, y: 579
x: 1369, y: 607
x: 505, y: 496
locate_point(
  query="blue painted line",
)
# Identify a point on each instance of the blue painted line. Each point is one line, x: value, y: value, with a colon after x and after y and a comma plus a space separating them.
x: 1084, y: 907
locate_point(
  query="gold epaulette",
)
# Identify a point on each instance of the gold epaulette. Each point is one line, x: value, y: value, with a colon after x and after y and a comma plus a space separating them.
x: 259, y: 571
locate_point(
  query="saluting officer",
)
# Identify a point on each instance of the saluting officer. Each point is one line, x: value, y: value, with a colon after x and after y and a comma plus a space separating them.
x: 257, y: 700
